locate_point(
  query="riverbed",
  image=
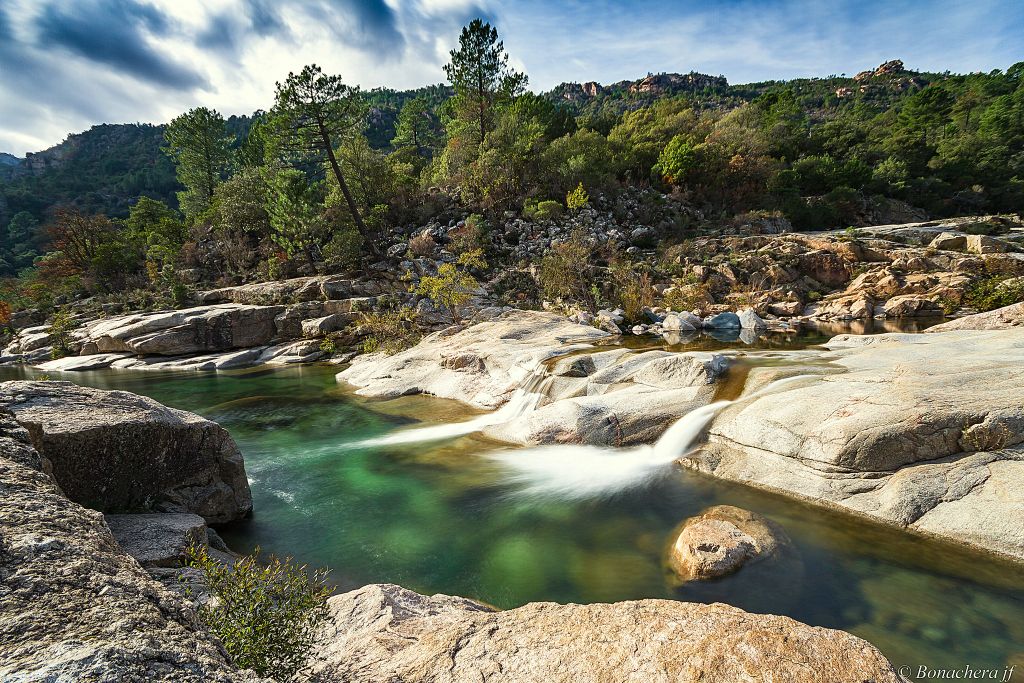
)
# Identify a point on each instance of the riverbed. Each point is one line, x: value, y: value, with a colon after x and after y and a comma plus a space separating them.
x: 450, y: 516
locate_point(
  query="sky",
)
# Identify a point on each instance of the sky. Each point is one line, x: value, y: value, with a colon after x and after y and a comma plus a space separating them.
x: 66, y: 65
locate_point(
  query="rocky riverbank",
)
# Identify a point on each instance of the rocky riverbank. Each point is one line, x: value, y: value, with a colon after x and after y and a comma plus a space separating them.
x: 778, y: 282
x: 890, y: 426
x: 79, y: 604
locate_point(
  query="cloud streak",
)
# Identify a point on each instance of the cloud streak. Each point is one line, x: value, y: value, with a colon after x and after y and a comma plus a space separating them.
x: 65, y: 66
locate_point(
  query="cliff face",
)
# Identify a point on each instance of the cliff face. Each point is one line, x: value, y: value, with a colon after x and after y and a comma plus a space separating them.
x: 73, y: 605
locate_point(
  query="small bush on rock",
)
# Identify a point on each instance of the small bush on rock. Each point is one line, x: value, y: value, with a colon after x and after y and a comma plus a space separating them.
x: 566, y: 272
x: 60, y: 335
x: 994, y: 291
x: 265, y: 615
x: 389, y: 330
x: 452, y: 288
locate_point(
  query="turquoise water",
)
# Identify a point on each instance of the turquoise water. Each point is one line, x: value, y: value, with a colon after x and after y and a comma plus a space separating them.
x: 444, y: 517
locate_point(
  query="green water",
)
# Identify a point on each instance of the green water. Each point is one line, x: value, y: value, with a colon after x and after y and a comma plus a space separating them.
x: 444, y: 517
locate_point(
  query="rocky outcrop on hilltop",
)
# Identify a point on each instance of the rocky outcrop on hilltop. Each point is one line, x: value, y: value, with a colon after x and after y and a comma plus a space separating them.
x: 387, y: 633
x: 119, y: 452
x: 903, y: 434
x: 74, y: 606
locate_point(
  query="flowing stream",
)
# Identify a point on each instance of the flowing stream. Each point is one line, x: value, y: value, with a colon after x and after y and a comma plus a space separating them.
x: 407, y: 491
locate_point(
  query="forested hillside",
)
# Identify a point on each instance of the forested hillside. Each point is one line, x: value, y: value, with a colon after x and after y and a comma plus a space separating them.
x: 261, y: 195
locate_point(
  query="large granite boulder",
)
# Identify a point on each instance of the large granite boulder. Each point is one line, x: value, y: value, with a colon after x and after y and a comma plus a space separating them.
x: 387, y: 633
x: 481, y: 365
x: 73, y: 605
x: 115, y: 451
x: 920, y: 431
x: 202, y: 329
x: 721, y: 540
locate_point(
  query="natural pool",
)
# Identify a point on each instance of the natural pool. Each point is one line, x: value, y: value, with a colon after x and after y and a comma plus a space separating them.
x: 446, y: 517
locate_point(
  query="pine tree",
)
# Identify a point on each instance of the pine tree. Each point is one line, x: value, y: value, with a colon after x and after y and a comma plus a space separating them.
x: 312, y: 115
x: 199, y: 145
x: 482, y: 78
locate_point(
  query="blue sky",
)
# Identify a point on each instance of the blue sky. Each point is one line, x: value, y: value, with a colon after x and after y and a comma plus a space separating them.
x: 68, y: 64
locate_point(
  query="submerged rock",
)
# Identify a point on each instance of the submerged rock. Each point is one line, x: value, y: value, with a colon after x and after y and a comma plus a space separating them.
x: 115, y: 451
x: 387, y: 633
x: 721, y: 539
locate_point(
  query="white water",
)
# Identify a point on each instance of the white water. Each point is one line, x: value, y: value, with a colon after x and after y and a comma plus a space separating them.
x: 577, y: 471
x: 523, y: 400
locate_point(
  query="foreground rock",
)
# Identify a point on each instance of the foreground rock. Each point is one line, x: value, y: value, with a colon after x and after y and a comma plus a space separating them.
x: 118, y: 452
x: 482, y: 365
x: 721, y: 540
x: 920, y: 431
x: 386, y: 633
x: 73, y: 605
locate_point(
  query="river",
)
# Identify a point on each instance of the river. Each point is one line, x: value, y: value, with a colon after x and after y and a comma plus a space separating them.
x: 465, y: 516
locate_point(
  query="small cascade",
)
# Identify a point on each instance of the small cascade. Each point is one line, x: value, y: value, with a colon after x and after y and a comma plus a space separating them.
x: 523, y: 400
x: 577, y: 471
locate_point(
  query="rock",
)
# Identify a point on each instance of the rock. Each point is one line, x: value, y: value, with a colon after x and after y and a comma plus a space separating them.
x: 720, y: 540
x: 397, y: 250
x: 690, y: 319
x: 910, y: 305
x: 999, y: 319
x: 118, y: 452
x: 786, y: 308
x: 949, y: 241
x: 203, y: 329
x: 727, y: 320
x: 512, y: 347
x: 901, y: 434
x: 983, y: 244
x: 574, y: 366
x: 674, y: 323
x: 387, y: 633
x: 630, y: 400
x: 158, y: 539
x: 330, y: 323
x: 83, y: 363
x: 74, y: 606
x: 749, y: 320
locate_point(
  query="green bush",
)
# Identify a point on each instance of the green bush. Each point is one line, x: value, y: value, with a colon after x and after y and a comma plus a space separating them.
x: 60, y: 335
x: 549, y: 210
x: 577, y: 199
x: 265, y: 615
x: 389, y: 330
x: 994, y: 291
x: 566, y: 272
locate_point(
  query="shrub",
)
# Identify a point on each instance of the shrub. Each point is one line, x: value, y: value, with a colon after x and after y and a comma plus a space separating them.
x: 549, y: 210
x: 516, y: 288
x: 686, y: 294
x: 994, y: 291
x: 5, y: 313
x: 60, y: 335
x: 422, y: 245
x: 577, y: 199
x: 471, y: 236
x: 265, y: 615
x: 632, y: 290
x: 389, y: 330
x: 566, y: 272
x: 451, y: 288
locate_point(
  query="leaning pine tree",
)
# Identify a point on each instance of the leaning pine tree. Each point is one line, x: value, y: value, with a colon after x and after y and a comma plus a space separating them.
x: 313, y: 113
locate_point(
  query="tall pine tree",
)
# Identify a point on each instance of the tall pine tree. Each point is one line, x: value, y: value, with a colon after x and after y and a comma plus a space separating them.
x: 200, y: 146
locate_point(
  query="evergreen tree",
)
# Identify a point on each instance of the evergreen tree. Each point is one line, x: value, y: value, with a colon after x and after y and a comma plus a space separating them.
x: 312, y: 115
x: 416, y: 129
x: 482, y: 78
x: 199, y: 145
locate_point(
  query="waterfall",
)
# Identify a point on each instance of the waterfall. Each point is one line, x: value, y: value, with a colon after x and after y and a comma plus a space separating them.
x: 578, y: 471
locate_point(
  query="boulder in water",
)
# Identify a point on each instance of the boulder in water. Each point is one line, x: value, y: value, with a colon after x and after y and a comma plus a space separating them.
x: 722, y: 539
x: 115, y: 451
x: 727, y: 320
